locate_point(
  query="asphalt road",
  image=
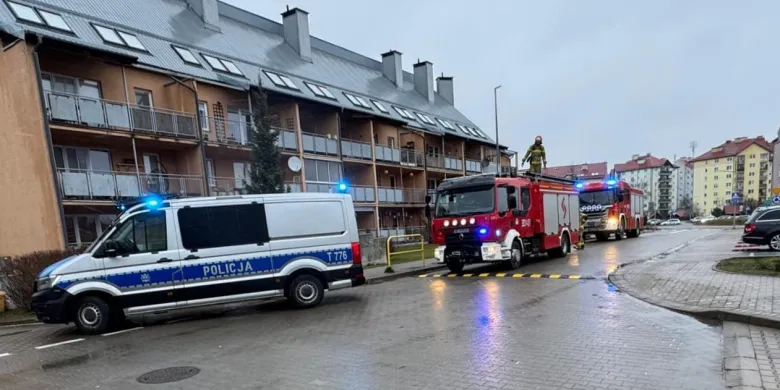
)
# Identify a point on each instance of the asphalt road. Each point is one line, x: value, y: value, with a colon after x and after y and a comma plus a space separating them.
x: 411, y: 333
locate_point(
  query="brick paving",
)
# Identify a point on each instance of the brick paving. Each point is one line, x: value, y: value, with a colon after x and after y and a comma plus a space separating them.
x: 686, y: 281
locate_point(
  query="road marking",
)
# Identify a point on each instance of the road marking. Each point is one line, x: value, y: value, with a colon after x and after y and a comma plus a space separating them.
x: 516, y: 275
x: 677, y: 231
x: 122, y: 331
x: 58, y: 344
x: 2, y: 355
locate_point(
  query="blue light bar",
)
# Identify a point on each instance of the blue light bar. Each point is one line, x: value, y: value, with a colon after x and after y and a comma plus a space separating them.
x: 342, y: 186
x: 611, y: 182
x: 580, y: 185
x: 483, y: 231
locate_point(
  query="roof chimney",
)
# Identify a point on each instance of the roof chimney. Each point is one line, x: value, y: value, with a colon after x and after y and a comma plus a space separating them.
x: 445, y: 88
x: 423, y: 79
x: 295, y: 23
x: 208, y: 12
x: 391, y: 68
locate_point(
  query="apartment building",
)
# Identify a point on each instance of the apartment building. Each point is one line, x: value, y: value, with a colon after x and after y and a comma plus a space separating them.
x: 683, y: 184
x: 742, y: 166
x: 584, y: 172
x: 107, y: 100
x: 654, y: 176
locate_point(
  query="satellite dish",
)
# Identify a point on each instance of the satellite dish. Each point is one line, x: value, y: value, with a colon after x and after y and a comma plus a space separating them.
x: 294, y: 163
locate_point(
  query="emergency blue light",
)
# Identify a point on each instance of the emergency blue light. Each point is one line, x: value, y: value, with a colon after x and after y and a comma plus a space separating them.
x: 153, y: 202
x: 611, y: 182
x: 579, y: 185
x: 342, y: 187
x: 483, y: 231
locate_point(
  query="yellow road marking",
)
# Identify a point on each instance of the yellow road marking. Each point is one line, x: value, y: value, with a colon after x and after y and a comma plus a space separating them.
x: 467, y: 275
x: 452, y: 275
x: 436, y: 275
x: 554, y: 276
x: 484, y: 275
x: 500, y: 275
x: 517, y: 275
x: 423, y: 276
x: 536, y: 275
x: 574, y: 276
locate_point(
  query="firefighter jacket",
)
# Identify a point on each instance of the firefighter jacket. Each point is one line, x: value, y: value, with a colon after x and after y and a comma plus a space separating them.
x: 535, y: 155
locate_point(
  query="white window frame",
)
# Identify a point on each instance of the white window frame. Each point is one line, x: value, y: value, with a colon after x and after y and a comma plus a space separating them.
x: 63, y: 151
x: 445, y: 124
x: 231, y: 67
x: 131, y: 40
x: 77, y: 233
x: 289, y: 82
x: 379, y: 106
x: 186, y: 55
x: 214, y: 62
x: 204, y: 120
x: 54, y: 20
x: 403, y: 113
x: 108, y: 34
x: 16, y: 7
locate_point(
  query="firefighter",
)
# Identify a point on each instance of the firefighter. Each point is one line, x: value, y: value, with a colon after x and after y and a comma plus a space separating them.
x: 535, y: 156
x: 583, y: 220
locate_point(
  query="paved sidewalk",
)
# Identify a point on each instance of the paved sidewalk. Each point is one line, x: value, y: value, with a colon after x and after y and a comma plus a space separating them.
x: 686, y: 281
x: 377, y: 274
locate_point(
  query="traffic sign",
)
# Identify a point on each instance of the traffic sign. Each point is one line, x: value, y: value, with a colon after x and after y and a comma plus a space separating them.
x: 776, y: 200
x: 776, y: 191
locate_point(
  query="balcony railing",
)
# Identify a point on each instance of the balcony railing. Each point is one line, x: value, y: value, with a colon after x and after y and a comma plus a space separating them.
x: 363, y: 194
x: 387, y: 154
x: 320, y: 144
x: 507, y: 170
x: 392, y: 231
x: 108, y: 185
x: 444, y: 162
x: 356, y: 149
x: 227, y: 131
x: 413, y: 158
x: 401, y: 195
x: 473, y: 166
x: 103, y: 113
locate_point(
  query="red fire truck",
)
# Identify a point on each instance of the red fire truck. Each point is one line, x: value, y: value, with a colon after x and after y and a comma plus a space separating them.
x: 489, y: 219
x: 612, y: 207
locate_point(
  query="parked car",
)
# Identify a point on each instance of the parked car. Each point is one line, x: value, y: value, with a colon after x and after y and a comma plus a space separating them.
x: 653, y: 222
x: 669, y: 222
x: 763, y: 228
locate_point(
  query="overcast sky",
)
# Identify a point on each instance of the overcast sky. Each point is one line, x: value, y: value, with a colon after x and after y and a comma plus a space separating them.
x: 599, y: 80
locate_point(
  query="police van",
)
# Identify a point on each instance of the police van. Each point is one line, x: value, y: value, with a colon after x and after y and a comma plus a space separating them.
x: 164, y: 255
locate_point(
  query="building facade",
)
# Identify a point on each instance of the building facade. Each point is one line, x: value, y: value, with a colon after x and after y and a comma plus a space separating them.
x: 742, y: 166
x: 655, y: 176
x: 98, y: 107
x: 584, y: 172
x: 683, y: 179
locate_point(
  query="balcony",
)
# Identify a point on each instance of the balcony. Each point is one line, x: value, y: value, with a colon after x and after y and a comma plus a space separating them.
x: 91, y: 185
x: 387, y: 154
x: 412, y: 158
x: 509, y: 170
x: 105, y: 114
x: 473, y: 166
x: 444, y: 162
x: 320, y: 144
x: 356, y: 149
x: 401, y: 196
x: 362, y: 194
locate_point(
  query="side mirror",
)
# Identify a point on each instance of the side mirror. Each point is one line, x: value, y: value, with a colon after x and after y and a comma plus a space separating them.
x: 427, y: 211
x: 110, y: 248
x: 512, y: 202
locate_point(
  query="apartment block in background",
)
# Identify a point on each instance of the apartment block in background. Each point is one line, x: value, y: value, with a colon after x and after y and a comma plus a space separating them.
x: 742, y: 166
x: 682, y: 200
x: 584, y: 172
x: 654, y: 176
x: 109, y: 100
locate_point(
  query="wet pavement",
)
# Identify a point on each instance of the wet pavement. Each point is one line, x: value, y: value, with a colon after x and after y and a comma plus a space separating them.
x: 410, y: 333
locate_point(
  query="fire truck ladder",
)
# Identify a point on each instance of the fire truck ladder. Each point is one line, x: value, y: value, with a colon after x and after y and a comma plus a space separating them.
x: 548, y: 178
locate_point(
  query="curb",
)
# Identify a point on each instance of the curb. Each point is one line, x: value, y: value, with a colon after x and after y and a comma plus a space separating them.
x: 401, y: 274
x: 721, y: 315
x: 18, y: 322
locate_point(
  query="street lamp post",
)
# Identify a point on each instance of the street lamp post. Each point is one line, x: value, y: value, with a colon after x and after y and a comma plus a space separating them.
x: 498, y: 148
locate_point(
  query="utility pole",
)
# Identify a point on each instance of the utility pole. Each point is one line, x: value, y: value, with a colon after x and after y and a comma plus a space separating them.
x: 693, y: 146
x: 498, y: 147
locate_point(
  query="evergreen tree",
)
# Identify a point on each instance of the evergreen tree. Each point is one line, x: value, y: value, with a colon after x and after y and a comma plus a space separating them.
x: 266, y: 176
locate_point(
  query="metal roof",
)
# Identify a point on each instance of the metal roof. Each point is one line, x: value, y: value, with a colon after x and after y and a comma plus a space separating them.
x: 251, y: 42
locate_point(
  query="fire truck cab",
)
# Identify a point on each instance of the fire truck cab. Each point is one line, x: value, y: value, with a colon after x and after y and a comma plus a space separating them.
x: 489, y: 219
x: 612, y: 207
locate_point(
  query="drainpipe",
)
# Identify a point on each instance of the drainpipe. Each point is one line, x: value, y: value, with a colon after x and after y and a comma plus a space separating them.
x: 199, y: 131
x: 132, y: 127
x: 47, y: 134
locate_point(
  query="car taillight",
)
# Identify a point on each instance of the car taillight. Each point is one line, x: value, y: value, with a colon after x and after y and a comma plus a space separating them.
x: 356, y: 254
x: 749, y: 228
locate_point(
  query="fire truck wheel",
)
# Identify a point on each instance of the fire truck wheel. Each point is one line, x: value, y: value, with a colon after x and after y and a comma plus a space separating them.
x: 562, y: 250
x: 517, y: 255
x: 455, y: 267
x: 621, y: 230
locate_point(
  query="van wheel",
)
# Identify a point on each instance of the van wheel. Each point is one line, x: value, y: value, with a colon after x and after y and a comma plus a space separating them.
x: 455, y: 266
x: 305, y: 291
x: 93, y: 315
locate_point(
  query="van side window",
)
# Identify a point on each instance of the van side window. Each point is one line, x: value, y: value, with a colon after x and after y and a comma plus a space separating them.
x: 220, y: 226
x: 142, y: 233
x: 525, y: 201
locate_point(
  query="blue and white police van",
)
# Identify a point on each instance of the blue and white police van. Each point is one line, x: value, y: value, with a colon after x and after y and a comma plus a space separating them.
x: 164, y: 255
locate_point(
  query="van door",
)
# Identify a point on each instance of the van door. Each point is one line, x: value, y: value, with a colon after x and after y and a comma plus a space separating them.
x: 146, y: 266
x: 225, y: 253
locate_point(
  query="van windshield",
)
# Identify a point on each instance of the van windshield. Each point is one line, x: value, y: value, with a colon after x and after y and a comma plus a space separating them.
x: 103, y: 235
x: 465, y: 201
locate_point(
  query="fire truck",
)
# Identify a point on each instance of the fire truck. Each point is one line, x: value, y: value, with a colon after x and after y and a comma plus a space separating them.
x: 493, y: 218
x: 612, y: 207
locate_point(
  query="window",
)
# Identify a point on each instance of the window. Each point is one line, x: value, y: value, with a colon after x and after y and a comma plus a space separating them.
x: 380, y: 106
x: 478, y: 132
x: 425, y: 119
x: 716, y: 177
x: 117, y: 37
x: 186, y: 55
x: 773, y: 215
x: 222, y: 65
x: 281, y: 80
x: 54, y: 20
x: 203, y: 113
x: 445, y: 124
x: 142, y: 233
x: 464, y: 129
x: 525, y: 201
x: 752, y: 165
x: 357, y: 100
x: 221, y: 226
x: 750, y: 191
x: 503, y: 202
x: 25, y: 13
x: 131, y: 40
x: 143, y: 98
x: 403, y: 112
x: 82, y: 159
x: 322, y: 171
x: 320, y: 90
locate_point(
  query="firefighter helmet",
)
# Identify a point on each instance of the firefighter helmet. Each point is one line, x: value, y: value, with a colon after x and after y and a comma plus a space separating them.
x: 538, y: 138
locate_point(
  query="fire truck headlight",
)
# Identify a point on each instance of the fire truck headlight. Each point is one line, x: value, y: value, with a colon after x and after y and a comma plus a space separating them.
x: 463, y: 222
x: 612, y: 223
x: 446, y: 223
x: 472, y: 221
x: 454, y: 222
x: 498, y: 232
x: 438, y: 253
